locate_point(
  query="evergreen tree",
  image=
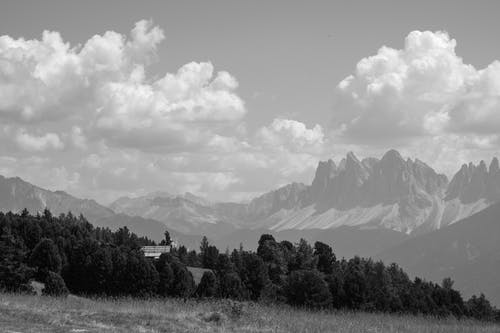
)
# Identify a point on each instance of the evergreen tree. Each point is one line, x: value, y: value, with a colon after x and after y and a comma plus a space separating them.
x: 230, y: 285
x: 54, y: 285
x: 304, y: 258
x: 253, y: 274
x: 45, y: 257
x: 325, y: 257
x: 307, y: 288
x: 166, y: 240
x: 210, y: 257
x: 208, y: 285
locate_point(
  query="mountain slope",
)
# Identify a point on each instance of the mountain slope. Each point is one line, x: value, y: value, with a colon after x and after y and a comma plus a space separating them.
x: 152, y: 229
x: 17, y: 194
x: 345, y: 241
x: 391, y: 193
x: 468, y: 251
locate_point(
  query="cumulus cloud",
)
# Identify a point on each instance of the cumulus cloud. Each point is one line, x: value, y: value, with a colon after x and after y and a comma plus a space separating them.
x: 90, y: 119
x: 101, y: 90
x: 420, y: 90
x: 97, y: 100
x: 44, y: 142
x: 293, y: 135
x: 422, y: 99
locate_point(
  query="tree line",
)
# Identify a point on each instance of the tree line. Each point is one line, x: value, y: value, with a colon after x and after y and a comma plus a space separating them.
x: 68, y: 254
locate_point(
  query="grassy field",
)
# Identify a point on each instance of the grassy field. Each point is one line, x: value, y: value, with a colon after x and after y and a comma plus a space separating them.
x: 19, y: 313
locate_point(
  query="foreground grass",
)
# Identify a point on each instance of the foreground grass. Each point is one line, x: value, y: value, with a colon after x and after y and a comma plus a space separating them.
x: 21, y: 313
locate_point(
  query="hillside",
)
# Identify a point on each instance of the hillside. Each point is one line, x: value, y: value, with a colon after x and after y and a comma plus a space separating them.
x: 390, y: 193
x: 346, y: 241
x: 407, y: 196
x: 151, y: 229
x: 17, y: 194
x: 468, y: 251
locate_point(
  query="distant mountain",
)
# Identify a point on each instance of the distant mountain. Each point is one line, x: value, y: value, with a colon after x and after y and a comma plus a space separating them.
x: 17, y: 194
x: 345, y: 241
x: 185, y: 213
x: 476, y: 182
x: 152, y: 229
x: 390, y: 193
x: 467, y: 251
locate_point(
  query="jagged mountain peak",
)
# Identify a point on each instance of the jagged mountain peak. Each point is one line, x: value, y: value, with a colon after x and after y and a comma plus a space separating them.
x: 494, y: 166
x: 475, y: 182
x: 392, y: 155
x: 482, y: 167
x: 391, y: 192
x: 351, y: 158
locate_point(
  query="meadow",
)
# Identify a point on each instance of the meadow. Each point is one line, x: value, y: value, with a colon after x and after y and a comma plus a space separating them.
x: 26, y: 313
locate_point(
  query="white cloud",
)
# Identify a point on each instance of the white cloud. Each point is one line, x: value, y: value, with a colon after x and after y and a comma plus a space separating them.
x: 92, y: 120
x: 97, y: 98
x: 292, y: 135
x: 30, y: 142
x: 101, y: 88
x: 423, y: 89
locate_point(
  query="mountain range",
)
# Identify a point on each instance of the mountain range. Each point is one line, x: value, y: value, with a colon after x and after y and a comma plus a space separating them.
x: 391, y: 193
x: 395, y: 209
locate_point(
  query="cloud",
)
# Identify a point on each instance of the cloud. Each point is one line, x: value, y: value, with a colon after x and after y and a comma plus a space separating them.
x: 30, y: 142
x: 292, y: 135
x: 100, y: 91
x: 103, y: 124
x: 420, y: 90
x: 91, y: 119
x: 180, y: 111
x: 478, y: 109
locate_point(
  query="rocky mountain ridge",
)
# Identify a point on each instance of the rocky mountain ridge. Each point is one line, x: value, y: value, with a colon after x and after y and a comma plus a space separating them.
x: 391, y: 192
x: 17, y: 194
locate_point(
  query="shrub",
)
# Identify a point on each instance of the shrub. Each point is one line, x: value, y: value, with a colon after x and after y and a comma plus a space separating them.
x: 208, y: 285
x: 54, y: 285
x: 45, y: 257
x: 307, y: 288
x: 230, y: 286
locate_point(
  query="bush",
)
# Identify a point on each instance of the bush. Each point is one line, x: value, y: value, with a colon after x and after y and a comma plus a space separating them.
x: 230, y: 286
x: 54, y: 285
x: 45, y: 257
x: 183, y: 283
x: 208, y: 285
x: 307, y: 288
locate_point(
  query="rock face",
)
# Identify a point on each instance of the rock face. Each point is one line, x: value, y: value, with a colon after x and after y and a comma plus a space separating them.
x: 402, y: 195
x: 372, y: 181
x: 391, y: 192
x: 16, y: 194
x: 473, y: 183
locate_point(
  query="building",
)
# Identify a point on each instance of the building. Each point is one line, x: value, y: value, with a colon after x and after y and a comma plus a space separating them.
x: 155, y: 251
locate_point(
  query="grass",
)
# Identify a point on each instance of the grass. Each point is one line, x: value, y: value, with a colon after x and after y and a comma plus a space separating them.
x: 22, y: 313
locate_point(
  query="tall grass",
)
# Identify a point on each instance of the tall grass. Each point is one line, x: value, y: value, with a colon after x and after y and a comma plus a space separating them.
x: 23, y: 313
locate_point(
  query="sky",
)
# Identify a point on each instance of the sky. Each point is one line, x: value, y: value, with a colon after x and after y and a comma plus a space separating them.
x: 230, y: 99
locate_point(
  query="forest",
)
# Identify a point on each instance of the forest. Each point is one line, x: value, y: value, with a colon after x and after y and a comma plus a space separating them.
x: 69, y: 255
